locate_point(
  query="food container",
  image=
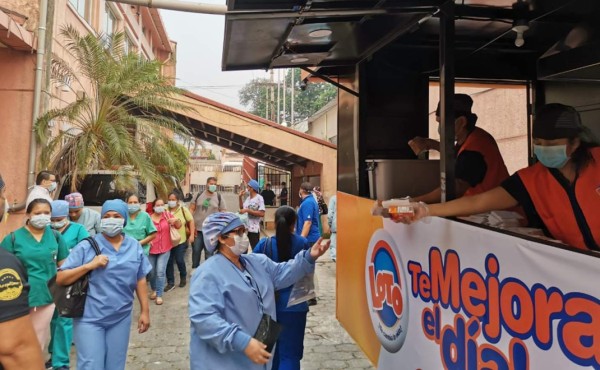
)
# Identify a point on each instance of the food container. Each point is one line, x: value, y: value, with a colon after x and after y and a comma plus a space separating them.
x: 399, y: 208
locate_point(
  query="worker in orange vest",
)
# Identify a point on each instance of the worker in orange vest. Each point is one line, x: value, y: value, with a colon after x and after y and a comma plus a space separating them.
x: 479, y: 165
x: 560, y: 194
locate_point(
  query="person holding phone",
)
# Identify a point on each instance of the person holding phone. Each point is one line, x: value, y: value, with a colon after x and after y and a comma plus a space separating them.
x: 232, y: 291
x: 282, y: 247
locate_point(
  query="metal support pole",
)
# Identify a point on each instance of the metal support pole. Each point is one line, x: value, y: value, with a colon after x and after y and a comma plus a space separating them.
x: 447, y: 155
x: 333, y: 82
x: 183, y: 6
x: 529, y: 114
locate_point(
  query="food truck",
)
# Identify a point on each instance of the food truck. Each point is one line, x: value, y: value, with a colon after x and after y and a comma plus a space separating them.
x: 446, y: 293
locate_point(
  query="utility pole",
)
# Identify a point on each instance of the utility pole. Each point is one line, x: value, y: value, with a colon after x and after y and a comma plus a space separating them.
x: 266, y: 102
x: 284, y: 95
x: 292, y: 105
x: 279, y: 96
x: 272, y: 101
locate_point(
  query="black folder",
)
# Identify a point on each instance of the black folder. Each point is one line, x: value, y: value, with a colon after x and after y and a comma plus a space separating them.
x: 268, y: 331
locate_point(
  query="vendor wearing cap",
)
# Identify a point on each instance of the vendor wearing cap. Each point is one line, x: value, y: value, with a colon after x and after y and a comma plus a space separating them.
x: 254, y: 206
x: 102, y: 335
x: 231, y: 291
x: 89, y: 218
x: 479, y: 165
x: 559, y: 193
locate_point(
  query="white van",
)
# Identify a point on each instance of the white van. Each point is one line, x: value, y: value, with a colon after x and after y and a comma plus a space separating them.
x: 99, y: 186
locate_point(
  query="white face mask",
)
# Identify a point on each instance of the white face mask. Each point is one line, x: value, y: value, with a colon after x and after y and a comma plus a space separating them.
x: 172, y: 203
x: 159, y: 209
x: 241, y: 244
x: 39, y: 221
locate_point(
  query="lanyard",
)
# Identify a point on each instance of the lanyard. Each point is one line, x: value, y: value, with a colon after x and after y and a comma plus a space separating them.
x: 250, y: 282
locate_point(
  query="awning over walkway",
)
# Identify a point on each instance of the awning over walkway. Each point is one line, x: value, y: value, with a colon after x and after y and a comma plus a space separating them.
x: 266, y: 141
x: 256, y: 137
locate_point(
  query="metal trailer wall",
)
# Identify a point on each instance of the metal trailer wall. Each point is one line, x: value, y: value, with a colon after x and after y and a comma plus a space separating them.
x: 584, y: 96
x: 391, y: 110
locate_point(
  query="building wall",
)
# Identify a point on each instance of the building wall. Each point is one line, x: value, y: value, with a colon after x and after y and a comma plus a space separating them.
x: 325, y: 125
x: 143, y: 27
x: 501, y: 111
x: 16, y: 102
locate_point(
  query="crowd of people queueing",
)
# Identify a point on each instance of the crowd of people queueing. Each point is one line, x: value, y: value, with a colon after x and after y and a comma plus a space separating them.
x: 229, y: 294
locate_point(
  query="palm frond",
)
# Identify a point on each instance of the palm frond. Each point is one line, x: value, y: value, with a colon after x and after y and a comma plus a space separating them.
x: 120, y: 123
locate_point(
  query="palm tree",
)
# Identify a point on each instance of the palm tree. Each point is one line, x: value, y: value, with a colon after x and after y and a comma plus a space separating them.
x: 121, y: 123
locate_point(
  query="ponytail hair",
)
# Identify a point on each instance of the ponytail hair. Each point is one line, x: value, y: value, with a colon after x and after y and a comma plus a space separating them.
x: 285, y: 219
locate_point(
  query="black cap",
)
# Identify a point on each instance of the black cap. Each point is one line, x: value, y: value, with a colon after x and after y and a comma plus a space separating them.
x: 462, y: 105
x: 556, y: 121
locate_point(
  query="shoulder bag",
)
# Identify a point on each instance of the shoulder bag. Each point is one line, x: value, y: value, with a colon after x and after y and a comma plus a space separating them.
x: 173, y: 232
x: 70, y: 299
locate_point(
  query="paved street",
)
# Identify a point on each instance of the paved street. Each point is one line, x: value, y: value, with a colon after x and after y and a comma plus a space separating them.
x: 166, y: 344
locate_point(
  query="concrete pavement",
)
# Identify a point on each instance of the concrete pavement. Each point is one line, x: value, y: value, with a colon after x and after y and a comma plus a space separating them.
x: 166, y: 344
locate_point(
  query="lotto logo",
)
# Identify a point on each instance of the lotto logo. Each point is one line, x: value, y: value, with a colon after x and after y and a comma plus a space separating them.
x: 387, y: 291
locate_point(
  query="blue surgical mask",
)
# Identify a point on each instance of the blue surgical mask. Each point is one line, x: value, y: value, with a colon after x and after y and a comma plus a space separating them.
x: 112, y: 226
x: 133, y: 208
x: 159, y: 209
x: 39, y: 221
x: 554, y: 156
x: 52, y: 187
x: 212, y: 188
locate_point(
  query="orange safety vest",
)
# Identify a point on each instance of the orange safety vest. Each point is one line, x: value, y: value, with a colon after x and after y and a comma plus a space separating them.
x: 559, y: 207
x: 481, y: 141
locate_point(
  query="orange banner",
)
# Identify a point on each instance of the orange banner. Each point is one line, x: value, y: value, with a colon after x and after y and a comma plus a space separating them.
x: 355, y: 228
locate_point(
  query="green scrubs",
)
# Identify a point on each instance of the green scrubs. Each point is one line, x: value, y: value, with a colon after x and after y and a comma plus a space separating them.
x: 61, y: 328
x: 139, y: 228
x: 39, y: 258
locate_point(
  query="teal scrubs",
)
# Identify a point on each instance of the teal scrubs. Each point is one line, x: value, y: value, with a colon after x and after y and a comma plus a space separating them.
x: 39, y: 258
x: 102, y: 334
x: 61, y: 328
x: 139, y: 228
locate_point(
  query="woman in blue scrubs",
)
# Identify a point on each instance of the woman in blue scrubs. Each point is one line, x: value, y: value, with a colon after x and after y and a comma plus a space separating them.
x: 102, y: 334
x: 231, y: 291
x: 280, y: 248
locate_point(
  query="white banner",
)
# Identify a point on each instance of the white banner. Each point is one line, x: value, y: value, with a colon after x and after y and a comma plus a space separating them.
x: 447, y: 295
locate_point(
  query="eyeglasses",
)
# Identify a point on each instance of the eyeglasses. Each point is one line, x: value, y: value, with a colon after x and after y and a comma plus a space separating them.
x: 239, y: 232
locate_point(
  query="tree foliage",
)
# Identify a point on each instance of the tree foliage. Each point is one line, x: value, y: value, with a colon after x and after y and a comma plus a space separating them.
x: 256, y: 95
x: 120, y: 124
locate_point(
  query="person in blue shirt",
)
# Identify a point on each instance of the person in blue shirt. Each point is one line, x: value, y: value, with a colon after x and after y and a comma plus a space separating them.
x: 307, y: 225
x: 280, y: 248
x: 61, y: 328
x: 102, y: 334
x: 231, y: 291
